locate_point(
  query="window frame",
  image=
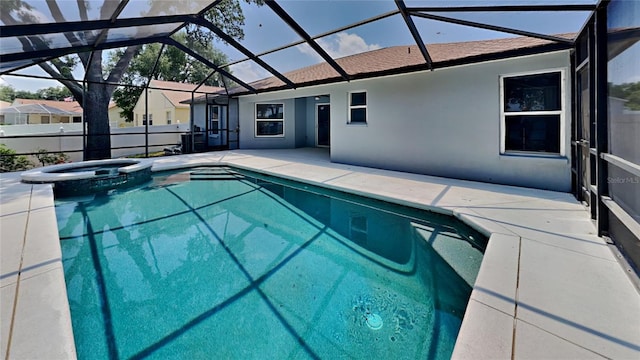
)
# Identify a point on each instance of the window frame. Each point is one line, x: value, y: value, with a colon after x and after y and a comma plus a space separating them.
x: 168, y: 114
x: 144, y: 119
x: 353, y: 107
x: 256, y: 120
x: 212, y: 120
x: 561, y: 113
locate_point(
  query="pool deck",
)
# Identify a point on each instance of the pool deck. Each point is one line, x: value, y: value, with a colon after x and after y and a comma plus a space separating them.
x: 548, y: 287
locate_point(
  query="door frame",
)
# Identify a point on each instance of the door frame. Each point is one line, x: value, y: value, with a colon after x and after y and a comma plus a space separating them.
x: 317, y: 124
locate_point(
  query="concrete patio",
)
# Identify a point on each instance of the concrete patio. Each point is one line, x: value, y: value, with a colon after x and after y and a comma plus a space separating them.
x: 548, y: 286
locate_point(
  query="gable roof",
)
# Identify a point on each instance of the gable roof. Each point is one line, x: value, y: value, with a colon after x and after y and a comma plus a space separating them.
x: 402, y: 59
x: 36, y: 109
x: 181, y: 91
x: 65, y: 106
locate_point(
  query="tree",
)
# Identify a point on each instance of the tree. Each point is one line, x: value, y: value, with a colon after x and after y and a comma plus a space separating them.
x: 174, y: 65
x: 627, y: 91
x: 7, y: 93
x: 59, y: 93
x: 227, y: 15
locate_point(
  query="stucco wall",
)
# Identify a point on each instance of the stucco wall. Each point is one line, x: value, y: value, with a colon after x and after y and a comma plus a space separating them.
x: 444, y: 122
x: 248, y: 139
x: 301, y: 122
x: 159, y: 105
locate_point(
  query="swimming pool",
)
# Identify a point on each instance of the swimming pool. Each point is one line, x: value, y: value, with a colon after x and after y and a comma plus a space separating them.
x: 219, y: 263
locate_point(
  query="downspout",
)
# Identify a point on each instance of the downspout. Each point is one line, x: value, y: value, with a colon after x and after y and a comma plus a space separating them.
x: 207, y: 119
x: 146, y: 122
x: 191, y: 125
x: 84, y: 119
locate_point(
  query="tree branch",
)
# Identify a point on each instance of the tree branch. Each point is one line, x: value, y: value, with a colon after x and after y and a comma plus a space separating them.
x: 73, y: 86
x: 82, y: 9
x: 122, y: 64
x: 71, y: 37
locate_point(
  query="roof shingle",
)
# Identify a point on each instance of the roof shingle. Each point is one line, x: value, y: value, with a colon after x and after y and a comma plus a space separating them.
x: 183, y: 90
x: 398, y: 58
x: 67, y: 106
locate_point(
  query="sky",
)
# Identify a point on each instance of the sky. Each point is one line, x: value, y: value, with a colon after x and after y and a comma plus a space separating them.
x: 265, y: 31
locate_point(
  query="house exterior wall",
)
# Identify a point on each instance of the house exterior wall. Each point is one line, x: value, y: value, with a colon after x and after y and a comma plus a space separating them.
x: 181, y: 114
x: 159, y: 105
x: 200, y: 116
x: 116, y: 120
x: 52, y: 119
x: 246, y: 111
x: 301, y: 122
x: 445, y: 123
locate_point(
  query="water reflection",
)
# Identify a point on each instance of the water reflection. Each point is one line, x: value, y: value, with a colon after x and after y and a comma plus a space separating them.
x: 224, y: 263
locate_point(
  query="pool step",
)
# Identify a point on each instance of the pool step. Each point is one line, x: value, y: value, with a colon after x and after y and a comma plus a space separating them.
x: 215, y: 174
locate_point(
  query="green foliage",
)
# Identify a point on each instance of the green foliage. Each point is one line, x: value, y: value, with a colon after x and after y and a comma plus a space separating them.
x: 629, y: 92
x: 9, y: 161
x: 24, y: 94
x: 47, y: 158
x: 54, y: 93
x: 175, y: 65
x: 7, y: 93
x: 226, y: 15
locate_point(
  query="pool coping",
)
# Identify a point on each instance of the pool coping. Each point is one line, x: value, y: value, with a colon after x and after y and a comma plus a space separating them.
x: 39, y: 176
x: 547, y: 286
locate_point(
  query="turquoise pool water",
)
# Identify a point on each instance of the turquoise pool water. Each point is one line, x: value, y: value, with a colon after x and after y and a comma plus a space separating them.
x: 212, y: 264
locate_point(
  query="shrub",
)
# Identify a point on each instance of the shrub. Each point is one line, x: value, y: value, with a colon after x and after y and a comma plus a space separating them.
x: 47, y: 158
x: 9, y: 161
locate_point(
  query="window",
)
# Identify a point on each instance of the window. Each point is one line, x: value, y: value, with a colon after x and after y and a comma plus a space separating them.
x: 77, y: 119
x: 144, y: 119
x: 214, y: 120
x: 532, y: 113
x: 168, y: 117
x: 45, y: 119
x: 269, y: 119
x: 358, y: 107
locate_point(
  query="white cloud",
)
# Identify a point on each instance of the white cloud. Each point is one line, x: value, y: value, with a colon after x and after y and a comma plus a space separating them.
x: 339, y: 45
x: 249, y: 71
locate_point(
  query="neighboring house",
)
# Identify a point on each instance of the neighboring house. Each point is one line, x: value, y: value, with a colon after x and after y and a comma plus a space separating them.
x: 115, y: 119
x: 34, y: 114
x: 3, y: 104
x: 164, y: 104
x: 47, y: 111
x: 458, y: 121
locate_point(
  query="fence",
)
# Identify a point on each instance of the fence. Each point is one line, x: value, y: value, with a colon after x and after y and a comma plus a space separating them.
x: 68, y: 139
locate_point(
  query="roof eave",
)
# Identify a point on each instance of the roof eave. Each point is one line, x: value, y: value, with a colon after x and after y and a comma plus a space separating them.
x: 474, y: 59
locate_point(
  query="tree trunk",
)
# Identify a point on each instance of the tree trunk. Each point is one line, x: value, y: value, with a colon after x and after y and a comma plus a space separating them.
x: 96, y: 115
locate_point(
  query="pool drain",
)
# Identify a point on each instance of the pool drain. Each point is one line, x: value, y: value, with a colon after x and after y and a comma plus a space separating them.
x: 374, y: 321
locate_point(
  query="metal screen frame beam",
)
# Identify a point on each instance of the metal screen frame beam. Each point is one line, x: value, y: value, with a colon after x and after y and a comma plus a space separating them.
x: 217, y: 68
x: 72, y: 26
x: 493, y: 27
x: 505, y: 8
x: 414, y: 32
x: 231, y: 41
x: 48, y: 54
x: 303, y: 34
x: 331, y: 32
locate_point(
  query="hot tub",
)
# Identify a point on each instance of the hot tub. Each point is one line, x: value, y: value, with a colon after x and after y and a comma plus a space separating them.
x: 91, y: 176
